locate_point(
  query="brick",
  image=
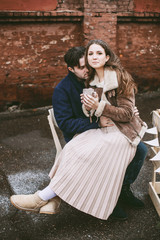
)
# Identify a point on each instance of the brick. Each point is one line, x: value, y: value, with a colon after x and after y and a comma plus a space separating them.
x: 36, y: 59
x: 47, y: 14
x: 138, y: 47
x: 147, y: 6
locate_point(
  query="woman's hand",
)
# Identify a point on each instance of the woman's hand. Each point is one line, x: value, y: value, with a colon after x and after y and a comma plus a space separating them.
x: 90, y: 102
x: 82, y: 101
x: 105, y: 122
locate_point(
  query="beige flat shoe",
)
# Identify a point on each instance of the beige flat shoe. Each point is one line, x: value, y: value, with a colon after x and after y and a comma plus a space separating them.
x: 31, y: 202
x: 52, y: 207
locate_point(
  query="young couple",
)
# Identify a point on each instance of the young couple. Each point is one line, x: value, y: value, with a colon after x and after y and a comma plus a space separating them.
x: 103, y: 157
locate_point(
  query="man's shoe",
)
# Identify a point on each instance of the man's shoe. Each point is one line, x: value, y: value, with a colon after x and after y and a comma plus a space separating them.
x: 52, y: 207
x: 31, y: 202
x: 127, y: 198
x: 119, y: 214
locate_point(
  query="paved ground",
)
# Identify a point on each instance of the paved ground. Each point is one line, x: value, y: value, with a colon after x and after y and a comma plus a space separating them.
x: 27, y: 153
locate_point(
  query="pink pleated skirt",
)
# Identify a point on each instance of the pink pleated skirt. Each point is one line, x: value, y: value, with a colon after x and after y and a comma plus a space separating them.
x: 89, y: 172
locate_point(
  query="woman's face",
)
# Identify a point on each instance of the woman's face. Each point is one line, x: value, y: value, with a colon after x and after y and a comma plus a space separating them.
x: 97, y: 56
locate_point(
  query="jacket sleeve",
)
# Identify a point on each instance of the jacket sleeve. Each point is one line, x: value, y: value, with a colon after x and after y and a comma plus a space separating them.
x: 87, y: 113
x: 64, y: 114
x: 122, y: 112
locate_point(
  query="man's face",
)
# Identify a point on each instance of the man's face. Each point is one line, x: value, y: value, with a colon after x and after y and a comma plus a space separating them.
x: 81, y: 72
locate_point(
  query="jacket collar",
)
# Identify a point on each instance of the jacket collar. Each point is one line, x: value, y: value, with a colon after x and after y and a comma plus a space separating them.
x: 110, y: 81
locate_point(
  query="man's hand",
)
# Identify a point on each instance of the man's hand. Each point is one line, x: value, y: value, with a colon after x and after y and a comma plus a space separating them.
x: 105, y: 122
x: 136, y: 112
x: 111, y: 93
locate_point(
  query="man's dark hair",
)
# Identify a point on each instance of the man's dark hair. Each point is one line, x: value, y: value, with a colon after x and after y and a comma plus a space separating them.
x: 73, y: 55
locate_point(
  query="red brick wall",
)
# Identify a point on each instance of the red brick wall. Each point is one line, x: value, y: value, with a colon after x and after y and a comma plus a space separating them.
x: 70, y: 4
x: 147, y: 6
x: 133, y: 35
x: 33, y: 44
x: 110, y: 6
x: 32, y: 60
x: 138, y: 46
x: 41, y: 5
x: 102, y: 26
x: 29, y: 5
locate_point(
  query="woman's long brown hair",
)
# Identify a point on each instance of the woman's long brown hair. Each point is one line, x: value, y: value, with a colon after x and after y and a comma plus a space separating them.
x: 126, y: 82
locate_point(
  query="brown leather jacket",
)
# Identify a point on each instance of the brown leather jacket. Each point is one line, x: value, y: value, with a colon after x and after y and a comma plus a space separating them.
x: 119, y: 108
x: 121, y: 112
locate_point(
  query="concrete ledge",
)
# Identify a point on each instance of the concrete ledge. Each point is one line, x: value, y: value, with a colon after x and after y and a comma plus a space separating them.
x: 41, y: 110
x: 41, y: 16
x: 24, y: 113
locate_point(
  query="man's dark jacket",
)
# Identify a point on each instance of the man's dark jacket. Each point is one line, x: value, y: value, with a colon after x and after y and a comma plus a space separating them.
x: 68, y: 107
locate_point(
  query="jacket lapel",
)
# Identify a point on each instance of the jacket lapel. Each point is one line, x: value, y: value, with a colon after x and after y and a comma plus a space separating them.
x: 110, y: 81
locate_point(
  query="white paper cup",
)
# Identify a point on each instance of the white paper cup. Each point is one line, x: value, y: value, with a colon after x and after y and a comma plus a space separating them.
x: 88, y: 91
